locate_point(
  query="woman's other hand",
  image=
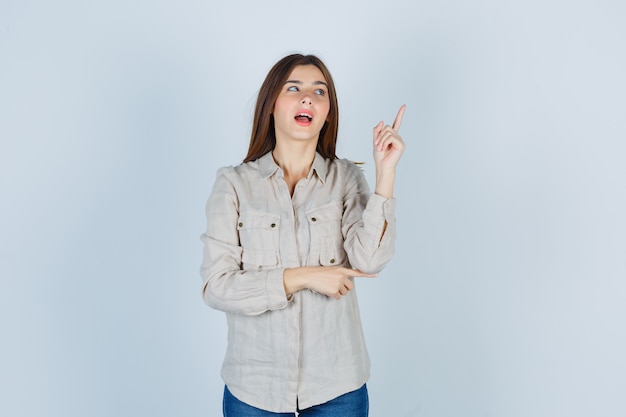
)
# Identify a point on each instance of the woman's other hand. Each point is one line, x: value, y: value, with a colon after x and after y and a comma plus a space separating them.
x: 332, y: 281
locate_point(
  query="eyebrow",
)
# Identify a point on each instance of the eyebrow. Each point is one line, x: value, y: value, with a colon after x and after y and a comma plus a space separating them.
x: 300, y: 82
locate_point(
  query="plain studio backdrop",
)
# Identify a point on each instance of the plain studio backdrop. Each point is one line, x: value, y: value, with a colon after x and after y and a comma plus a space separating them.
x: 507, y: 293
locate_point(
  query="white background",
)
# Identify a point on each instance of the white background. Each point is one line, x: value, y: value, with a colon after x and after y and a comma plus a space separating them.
x: 507, y: 293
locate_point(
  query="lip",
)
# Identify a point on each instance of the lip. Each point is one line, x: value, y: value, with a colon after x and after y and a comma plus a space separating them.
x: 304, y: 123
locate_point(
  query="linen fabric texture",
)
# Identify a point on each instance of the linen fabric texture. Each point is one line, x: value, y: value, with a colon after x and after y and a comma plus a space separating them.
x: 284, y: 353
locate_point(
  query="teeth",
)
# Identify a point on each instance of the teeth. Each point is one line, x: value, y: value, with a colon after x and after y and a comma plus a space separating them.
x: 304, y: 115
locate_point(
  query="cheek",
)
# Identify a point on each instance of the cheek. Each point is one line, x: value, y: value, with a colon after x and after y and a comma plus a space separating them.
x: 276, y: 106
x: 327, y: 113
x: 278, y: 111
x: 323, y: 107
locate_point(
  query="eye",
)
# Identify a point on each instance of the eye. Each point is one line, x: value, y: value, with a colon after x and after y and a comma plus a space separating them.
x: 320, y: 92
x: 293, y: 88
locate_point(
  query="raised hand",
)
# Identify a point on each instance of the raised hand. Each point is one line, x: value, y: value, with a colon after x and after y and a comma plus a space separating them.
x: 388, y: 148
x: 388, y: 144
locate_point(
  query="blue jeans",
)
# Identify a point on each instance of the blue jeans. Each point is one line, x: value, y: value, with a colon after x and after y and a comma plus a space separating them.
x: 352, y: 404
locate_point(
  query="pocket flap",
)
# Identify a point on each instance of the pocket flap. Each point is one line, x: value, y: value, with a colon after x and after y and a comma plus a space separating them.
x: 332, y: 258
x: 258, y: 220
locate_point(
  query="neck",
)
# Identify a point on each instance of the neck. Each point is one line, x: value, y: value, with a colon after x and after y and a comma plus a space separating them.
x: 295, y: 159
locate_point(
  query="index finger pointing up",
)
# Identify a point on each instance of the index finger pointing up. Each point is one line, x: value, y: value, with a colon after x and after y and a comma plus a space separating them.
x: 398, y: 121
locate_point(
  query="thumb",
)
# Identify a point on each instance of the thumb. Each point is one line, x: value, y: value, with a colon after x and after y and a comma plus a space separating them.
x: 359, y: 273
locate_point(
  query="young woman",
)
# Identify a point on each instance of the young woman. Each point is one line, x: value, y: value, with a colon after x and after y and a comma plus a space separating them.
x: 288, y: 230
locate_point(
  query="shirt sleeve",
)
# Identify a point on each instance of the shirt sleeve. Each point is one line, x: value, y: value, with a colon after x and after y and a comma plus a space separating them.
x: 227, y: 286
x: 369, y: 225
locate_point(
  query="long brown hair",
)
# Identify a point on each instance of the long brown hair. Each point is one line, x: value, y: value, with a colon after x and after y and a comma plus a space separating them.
x: 263, y: 137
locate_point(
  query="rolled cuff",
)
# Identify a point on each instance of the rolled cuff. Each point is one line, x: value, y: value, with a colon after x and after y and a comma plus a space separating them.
x: 380, y: 205
x: 276, y: 296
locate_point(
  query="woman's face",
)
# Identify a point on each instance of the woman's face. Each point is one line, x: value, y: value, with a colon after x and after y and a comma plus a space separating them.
x: 302, y: 105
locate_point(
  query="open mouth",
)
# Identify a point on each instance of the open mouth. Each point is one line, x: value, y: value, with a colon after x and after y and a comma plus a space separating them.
x: 304, y: 117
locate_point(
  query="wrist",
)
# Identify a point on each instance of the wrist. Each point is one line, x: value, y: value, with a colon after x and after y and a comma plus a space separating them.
x: 294, y: 280
x: 384, y: 183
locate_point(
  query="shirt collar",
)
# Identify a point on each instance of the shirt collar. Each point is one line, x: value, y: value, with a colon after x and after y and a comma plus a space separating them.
x: 320, y: 167
x: 268, y: 166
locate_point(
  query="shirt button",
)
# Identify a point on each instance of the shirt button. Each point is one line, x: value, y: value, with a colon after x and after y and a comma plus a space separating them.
x: 332, y: 261
x: 240, y: 224
x: 313, y: 219
x: 273, y: 225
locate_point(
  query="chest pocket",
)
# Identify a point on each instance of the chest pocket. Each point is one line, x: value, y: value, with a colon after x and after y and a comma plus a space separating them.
x: 259, y: 237
x: 326, y: 237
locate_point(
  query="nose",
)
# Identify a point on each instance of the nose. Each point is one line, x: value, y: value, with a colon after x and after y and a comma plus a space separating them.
x: 306, y: 100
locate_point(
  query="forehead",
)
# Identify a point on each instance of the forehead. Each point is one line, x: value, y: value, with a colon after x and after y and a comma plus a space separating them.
x: 306, y: 73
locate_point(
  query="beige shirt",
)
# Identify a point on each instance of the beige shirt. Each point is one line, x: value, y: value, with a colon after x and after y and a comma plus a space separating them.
x: 308, y: 349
